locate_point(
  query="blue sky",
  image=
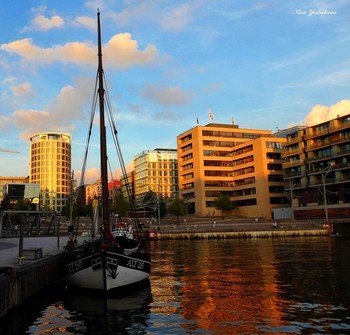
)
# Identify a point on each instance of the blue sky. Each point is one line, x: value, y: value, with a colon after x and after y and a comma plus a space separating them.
x: 268, y: 64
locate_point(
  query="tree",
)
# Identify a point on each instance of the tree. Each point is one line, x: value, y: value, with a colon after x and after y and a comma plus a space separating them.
x: 22, y: 205
x: 162, y: 209
x: 223, y: 202
x: 120, y: 205
x: 177, y: 207
x: 150, y: 201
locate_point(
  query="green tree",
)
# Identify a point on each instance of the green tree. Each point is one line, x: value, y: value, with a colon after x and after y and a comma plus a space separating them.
x: 21, y: 205
x: 162, y: 209
x: 177, y: 207
x: 150, y: 201
x: 120, y: 205
x: 223, y: 202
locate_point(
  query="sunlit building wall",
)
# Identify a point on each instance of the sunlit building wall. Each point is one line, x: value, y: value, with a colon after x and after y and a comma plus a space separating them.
x: 127, y: 185
x: 93, y: 191
x: 156, y: 170
x: 50, y: 166
x: 245, y: 164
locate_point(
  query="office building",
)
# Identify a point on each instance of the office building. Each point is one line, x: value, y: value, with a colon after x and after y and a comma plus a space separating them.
x: 156, y: 170
x: 245, y: 164
x: 50, y: 166
x: 317, y: 170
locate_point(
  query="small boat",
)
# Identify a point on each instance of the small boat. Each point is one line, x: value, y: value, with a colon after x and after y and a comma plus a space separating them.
x: 109, y: 262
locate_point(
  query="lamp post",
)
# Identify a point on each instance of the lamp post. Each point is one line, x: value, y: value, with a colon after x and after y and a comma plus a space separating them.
x: 291, y: 197
x: 324, y: 176
x: 158, y: 206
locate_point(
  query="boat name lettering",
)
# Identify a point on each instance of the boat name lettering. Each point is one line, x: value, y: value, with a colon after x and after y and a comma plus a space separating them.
x: 74, y: 267
x: 133, y: 263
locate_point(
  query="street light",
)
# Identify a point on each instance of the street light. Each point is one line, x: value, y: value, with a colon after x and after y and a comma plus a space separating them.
x: 291, y: 197
x: 324, y: 176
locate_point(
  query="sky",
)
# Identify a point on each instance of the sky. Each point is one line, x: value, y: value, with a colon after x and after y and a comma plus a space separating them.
x: 264, y: 64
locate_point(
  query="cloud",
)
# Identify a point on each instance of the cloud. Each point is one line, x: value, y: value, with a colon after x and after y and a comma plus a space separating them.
x: 43, y: 23
x: 167, y: 16
x: 56, y: 116
x: 319, y: 113
x: 87, y: 22
x: 22, y: 90
x: 121, y: 51
x: 124, y: 51
x: 31, y: 121
x: 4, y: 122
x: 176, y: 18
x: 166, y: 96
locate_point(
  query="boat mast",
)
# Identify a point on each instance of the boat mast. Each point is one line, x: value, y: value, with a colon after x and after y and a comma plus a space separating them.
x: 103, y: 140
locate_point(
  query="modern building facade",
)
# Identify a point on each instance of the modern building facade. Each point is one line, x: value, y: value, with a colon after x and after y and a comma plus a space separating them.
x: 28, y: 192
x: 317, y: 170
x: 10, y: 180
x: 245, y: 164
x: 156, y: 170
x: 50, y: 166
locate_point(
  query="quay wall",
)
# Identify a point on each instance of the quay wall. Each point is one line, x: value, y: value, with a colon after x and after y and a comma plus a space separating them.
x: 19, y: 283
x: 192, y: 234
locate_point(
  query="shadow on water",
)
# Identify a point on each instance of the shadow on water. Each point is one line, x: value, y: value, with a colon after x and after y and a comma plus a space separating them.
x: 58, y: 309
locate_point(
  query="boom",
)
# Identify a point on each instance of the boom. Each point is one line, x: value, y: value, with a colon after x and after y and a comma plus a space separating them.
x: 8, y: 150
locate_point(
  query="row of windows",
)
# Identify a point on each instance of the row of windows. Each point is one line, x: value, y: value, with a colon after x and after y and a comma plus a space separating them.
x: 274, y: 145
x: 46, y: 158
x: 219, y: 143
x: 239, y: 193
x: 242, y: 150
x: 187, y: 157
x: 230, y: 134
x: 44, y: 179
x: 51, y: 150
x: 50, y: 170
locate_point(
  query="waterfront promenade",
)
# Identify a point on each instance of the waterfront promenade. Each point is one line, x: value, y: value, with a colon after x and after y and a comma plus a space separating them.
x: 9, y: 248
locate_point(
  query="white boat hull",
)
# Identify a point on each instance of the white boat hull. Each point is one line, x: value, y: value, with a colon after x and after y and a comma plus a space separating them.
x: 107, y: 271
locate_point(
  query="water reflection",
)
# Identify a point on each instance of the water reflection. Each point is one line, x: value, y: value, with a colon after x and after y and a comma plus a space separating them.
x: 79, y: 313
x: 255, y: 287
x: 265, y: 286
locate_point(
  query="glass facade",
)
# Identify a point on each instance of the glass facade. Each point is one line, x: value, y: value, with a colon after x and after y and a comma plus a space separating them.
x: 50, y: 166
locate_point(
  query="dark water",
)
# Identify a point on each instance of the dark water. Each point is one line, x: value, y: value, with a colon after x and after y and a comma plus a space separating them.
x: 247, y: 286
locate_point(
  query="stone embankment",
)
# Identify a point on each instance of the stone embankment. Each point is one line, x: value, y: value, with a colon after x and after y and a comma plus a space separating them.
x: 211, y: 228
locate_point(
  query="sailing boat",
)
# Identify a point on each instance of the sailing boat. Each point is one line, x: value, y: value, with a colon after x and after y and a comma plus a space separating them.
x: 105, y: 264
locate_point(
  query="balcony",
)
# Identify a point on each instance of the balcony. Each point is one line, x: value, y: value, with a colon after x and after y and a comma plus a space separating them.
x: 293, y: 163
x: 319, y: 145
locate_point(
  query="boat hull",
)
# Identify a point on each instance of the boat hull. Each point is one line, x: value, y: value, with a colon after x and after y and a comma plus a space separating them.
x: 108, y: 270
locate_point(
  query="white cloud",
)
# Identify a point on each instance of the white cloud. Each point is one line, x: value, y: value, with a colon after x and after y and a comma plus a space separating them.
x: 319, y: 113
x: 22, y: 90
x: 87, y: 22
x: 43, y: 23
x: 58, y: 115
x: 166, y: 96
x: 176, y: 18
x: 121, y: 51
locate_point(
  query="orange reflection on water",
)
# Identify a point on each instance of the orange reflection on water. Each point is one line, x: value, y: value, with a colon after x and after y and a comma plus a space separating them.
x: 225, y: 294
x: 54, y: 320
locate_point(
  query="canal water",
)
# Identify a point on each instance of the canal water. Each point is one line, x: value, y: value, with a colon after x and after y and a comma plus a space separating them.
x: 239, y: 286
